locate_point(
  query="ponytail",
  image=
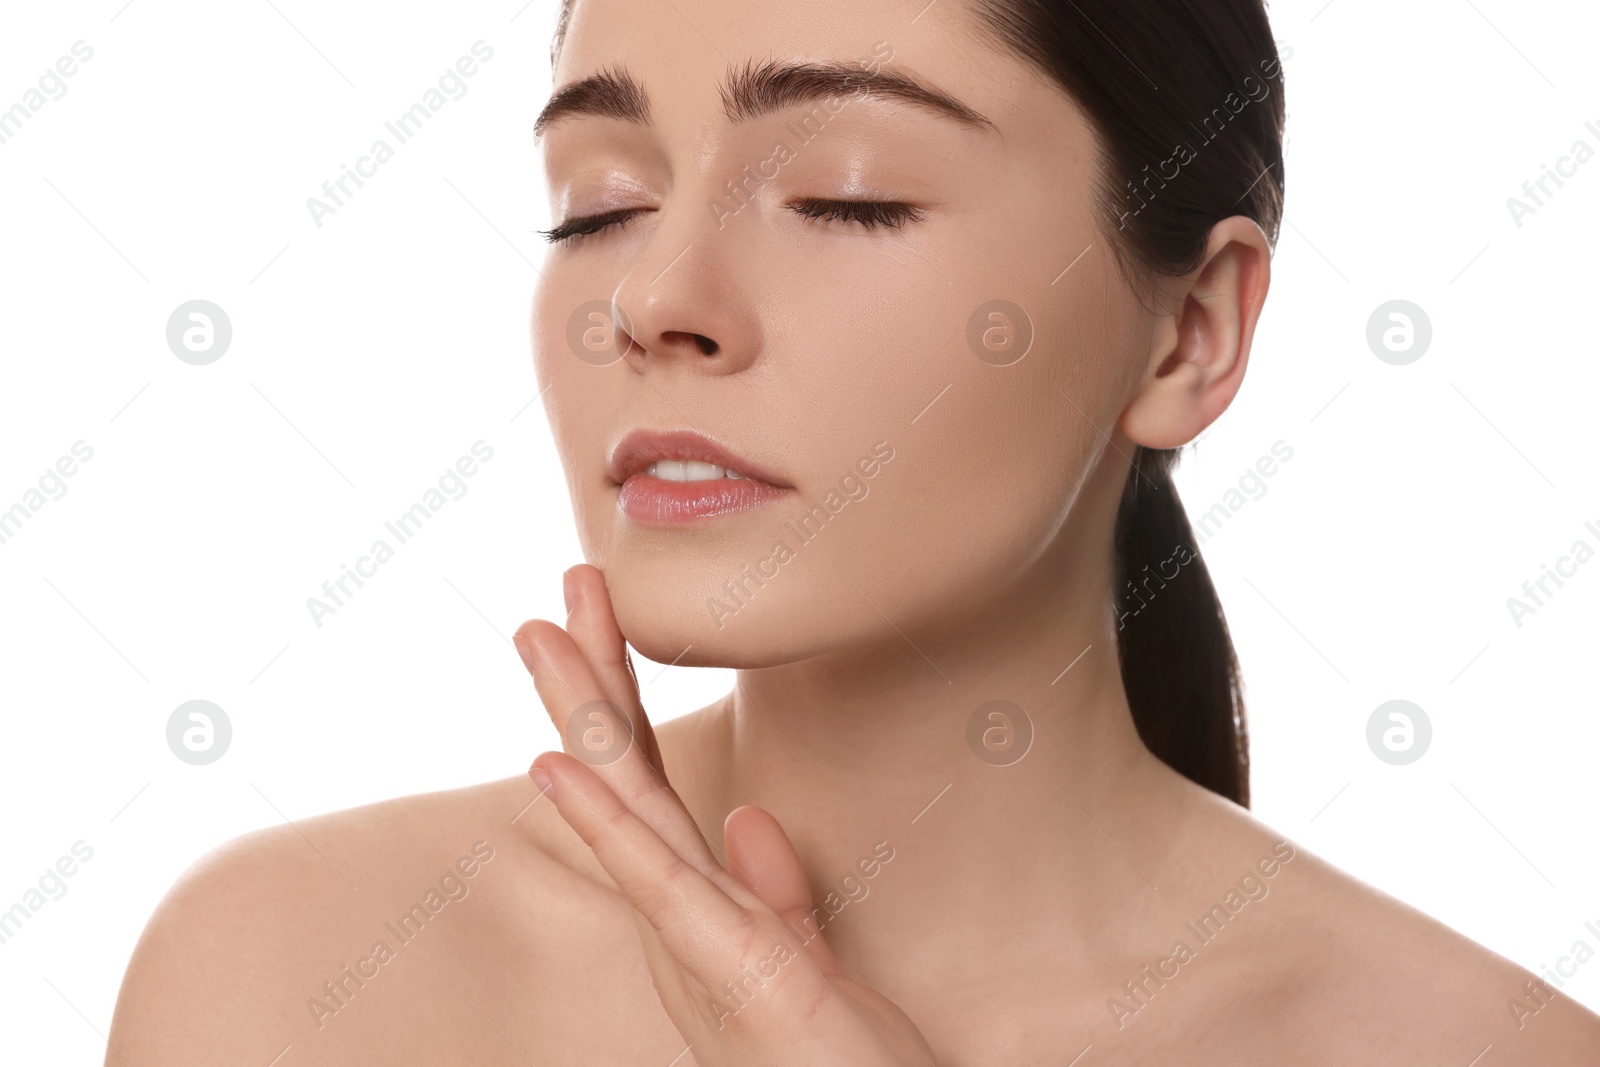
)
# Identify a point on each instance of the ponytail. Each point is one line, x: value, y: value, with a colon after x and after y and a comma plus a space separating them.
x: 1178, y: 664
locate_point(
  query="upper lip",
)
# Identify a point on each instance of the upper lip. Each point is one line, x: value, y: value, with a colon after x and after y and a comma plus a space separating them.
x: 640, y: 448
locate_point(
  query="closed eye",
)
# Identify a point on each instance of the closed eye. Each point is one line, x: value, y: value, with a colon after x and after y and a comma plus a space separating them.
x: 582, y: 227
x: 868, y: 214
x: 865, y: 214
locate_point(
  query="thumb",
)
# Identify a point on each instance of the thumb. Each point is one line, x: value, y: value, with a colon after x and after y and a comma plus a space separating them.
x: 764, y: 859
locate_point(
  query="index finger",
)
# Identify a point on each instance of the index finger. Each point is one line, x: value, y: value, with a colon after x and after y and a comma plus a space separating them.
x: 601, y: 734
x: 708, y: 928
x: 593, y: 625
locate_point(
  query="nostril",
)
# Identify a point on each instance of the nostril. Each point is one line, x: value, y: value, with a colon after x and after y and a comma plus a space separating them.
x: 677, y: 340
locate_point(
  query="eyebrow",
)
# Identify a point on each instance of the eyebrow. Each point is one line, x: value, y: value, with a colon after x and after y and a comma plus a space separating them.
x: 755, y: 91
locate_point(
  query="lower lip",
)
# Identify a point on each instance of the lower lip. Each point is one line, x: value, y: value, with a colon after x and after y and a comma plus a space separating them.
x: 645, y: 498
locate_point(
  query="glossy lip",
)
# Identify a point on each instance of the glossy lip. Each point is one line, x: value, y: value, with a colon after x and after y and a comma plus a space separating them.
x: 632, y: 455
x: 659, y: 502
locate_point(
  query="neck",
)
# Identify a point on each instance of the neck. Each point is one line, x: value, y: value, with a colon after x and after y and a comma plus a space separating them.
x: 880, y: 744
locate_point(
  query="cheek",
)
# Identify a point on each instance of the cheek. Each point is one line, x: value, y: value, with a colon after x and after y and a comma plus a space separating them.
x: 577, y: 390
x: 988, y: 455
x: 991, y: 375
x: 978, y: 491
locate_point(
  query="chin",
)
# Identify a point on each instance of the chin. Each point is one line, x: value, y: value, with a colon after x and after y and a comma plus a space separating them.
x: 667, y: 606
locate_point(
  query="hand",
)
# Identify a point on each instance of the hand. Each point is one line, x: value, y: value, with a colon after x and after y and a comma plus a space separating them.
x: 730, y: 956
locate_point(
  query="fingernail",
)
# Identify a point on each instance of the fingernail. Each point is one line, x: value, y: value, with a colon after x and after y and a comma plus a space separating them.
x: 568, y: 590
x: 523, y: 650
x: 542, y: 780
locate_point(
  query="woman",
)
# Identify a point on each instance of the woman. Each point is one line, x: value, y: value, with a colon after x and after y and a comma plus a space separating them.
x: 868, y: 336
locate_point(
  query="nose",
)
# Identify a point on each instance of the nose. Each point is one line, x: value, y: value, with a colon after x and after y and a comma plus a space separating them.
x: 682, y: 306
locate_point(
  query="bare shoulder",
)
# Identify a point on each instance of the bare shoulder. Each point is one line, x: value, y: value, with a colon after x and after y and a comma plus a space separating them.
x: 313, y: 936
x: 1361, y: 975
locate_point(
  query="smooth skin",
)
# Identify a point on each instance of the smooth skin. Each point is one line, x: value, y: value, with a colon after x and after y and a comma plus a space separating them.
x: 1020, y: 901
x: 701, y: 926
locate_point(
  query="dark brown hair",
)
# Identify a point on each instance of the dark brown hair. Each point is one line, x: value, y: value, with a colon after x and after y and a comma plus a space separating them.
x: 1186, y: 99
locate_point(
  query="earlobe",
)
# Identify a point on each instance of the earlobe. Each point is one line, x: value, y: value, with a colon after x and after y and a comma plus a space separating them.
x: 1201, y: 346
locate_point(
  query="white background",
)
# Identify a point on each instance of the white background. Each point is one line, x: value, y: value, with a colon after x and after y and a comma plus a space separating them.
x: 370, y: 353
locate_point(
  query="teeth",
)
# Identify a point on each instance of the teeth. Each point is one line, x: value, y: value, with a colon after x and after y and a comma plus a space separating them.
x: 689, y: 470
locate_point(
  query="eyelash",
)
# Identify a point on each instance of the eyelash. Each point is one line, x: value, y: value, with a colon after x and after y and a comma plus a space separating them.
x: 582, y: 227
x: 871, y: 214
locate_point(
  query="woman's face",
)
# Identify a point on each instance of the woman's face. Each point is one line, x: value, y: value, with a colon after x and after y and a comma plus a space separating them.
x: 913, y: 461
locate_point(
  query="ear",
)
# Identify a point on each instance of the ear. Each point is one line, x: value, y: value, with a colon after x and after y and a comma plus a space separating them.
x: 1199, y: 348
